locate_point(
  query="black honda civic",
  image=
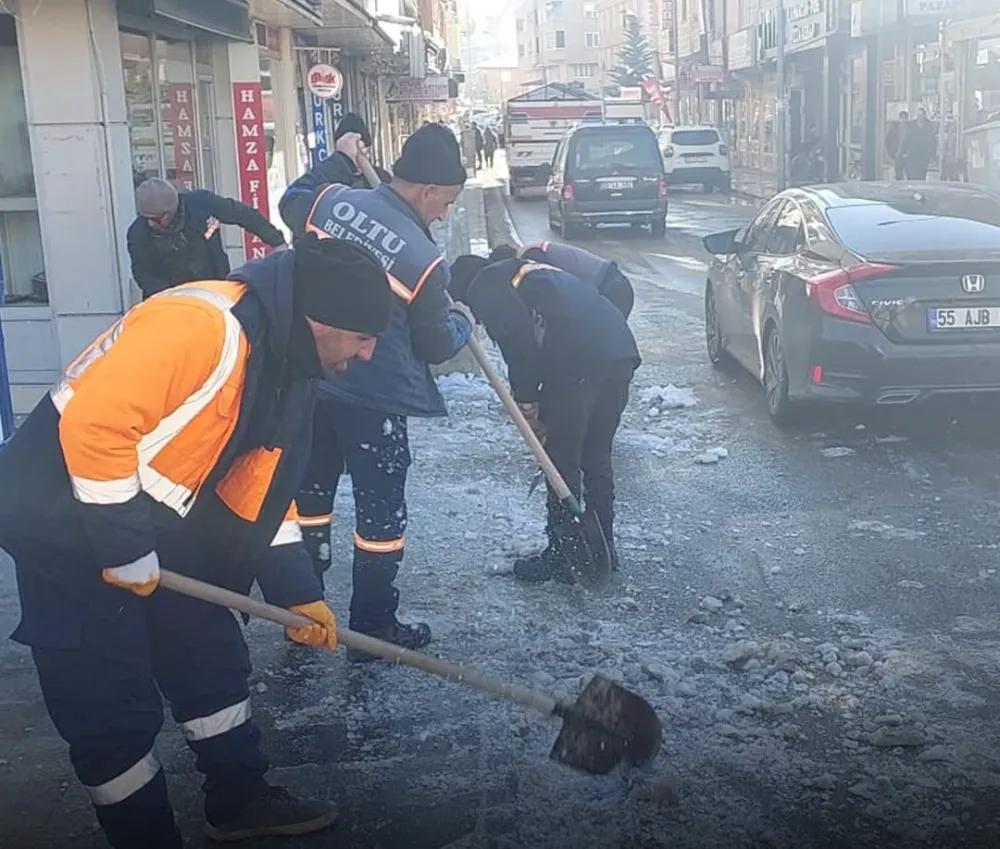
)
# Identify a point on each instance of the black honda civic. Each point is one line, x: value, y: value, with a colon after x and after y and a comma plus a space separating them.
x: 870, y: 293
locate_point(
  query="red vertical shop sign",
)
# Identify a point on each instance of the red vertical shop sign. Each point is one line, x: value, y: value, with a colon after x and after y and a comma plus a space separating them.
x: 251, y: 159
x: 182, y: 128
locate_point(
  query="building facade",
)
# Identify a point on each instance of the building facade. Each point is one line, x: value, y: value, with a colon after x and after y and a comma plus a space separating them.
x: 560, y: 41
x: 204, y: 93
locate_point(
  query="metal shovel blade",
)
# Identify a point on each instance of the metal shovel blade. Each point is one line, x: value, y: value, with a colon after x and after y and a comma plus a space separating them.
x: 606, y: 725
x: 586, y: 551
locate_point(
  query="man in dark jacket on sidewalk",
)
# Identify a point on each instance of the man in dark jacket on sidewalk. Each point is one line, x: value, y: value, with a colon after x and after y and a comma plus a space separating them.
x: 178, y: 439
x: 177, y: 238
x: 354, y: 123
x: 602, y: 273
x: 361, y: 419
x: 570, y: 359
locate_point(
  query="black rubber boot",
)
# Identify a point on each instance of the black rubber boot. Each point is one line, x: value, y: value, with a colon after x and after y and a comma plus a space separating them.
x: 276, y: 814
x: 385, y: 626
x: 539, y: 568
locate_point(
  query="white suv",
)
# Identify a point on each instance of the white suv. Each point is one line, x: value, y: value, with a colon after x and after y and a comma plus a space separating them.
x: 695, y: 155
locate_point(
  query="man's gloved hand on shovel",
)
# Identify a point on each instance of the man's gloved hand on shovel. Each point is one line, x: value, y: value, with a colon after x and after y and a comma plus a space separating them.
x: 141, y: 577
x: 322, y: 634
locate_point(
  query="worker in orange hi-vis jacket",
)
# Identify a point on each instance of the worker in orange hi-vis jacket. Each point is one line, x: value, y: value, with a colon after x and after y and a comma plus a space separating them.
x: 179, y: 438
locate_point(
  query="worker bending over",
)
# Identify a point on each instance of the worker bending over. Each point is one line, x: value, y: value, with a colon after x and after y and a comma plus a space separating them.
x: 179, y: 438
x: 603, y: 274
x: 570, y: 359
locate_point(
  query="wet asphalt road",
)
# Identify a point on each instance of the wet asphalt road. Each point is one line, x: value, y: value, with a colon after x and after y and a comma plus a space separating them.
x: 792, y: 612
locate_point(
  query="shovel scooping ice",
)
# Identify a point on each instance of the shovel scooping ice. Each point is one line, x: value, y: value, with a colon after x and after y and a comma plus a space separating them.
x: 607, y: 725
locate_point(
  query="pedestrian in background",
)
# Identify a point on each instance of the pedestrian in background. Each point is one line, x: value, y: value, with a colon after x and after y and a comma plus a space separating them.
x: 894, y: 142
x: 918, y: 147
x: 480, y: 145
x: 177, y: 237
x: 489, y: 146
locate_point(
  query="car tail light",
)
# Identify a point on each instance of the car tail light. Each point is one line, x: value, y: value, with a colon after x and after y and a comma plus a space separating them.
x: 723, y: 150
x: 567, y: 191
x: 816, y: 374
x: 668, y: 151
x: 834, y: 292
x: 661, y: 188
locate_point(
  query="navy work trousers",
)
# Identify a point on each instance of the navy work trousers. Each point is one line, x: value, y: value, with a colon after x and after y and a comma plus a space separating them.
x: 374, y: 447
x: 103, y: 657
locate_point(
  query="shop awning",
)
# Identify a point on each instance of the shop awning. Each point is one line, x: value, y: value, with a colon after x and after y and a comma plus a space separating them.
x: 348, y: 27
x: 294, y: 14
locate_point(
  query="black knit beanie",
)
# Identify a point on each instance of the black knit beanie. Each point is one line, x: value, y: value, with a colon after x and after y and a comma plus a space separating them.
x: 340, y: 284
x: 353, y: 123
x: 431, y: 157
x: 463, y: 271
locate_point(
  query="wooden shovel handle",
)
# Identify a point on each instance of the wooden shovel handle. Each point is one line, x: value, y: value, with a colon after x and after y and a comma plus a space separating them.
x: 360, y: 642
x: 371, y: 175
x: 562, y: 491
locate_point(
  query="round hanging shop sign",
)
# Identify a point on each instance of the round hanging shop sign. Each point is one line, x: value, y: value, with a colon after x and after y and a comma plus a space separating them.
x: 325, y: 81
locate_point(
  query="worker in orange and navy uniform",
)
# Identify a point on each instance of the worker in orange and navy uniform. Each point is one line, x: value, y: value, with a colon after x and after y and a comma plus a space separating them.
x: 361, y: 420
x: 570, y: 360
x: 178, y: 438
x: 604, y: 274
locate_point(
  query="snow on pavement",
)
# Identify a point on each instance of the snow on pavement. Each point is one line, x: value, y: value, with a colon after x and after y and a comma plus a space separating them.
x: 768, y: 736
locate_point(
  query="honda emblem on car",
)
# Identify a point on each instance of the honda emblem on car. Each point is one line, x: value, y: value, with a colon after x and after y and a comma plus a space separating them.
x: 973, y: 283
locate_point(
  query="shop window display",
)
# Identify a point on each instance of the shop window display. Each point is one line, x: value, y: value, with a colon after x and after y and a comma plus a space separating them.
x: 168, y: 95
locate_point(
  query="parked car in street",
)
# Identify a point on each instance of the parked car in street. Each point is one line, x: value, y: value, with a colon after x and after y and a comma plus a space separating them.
x: 607, y: 174
x: 696, y: 155
x: 873, y: 293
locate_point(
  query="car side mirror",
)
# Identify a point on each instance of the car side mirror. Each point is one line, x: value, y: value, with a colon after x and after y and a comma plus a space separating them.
x: 723, y: 244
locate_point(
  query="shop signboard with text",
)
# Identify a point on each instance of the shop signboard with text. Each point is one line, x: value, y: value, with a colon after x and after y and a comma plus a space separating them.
x: 947, y: 9
x: 413, y: 90
x: 320, y: 139
x: 251, y: 159
x: 181, y: 120
x: 806, y: 24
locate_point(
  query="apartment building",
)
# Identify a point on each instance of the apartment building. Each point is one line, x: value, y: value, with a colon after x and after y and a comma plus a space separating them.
x: 560, y: 41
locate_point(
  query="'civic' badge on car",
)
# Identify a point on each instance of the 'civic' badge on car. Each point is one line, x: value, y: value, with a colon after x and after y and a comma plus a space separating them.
x: 973, y: 283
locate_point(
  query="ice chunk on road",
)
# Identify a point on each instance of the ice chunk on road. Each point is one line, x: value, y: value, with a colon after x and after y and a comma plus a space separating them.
x: 668, y: 397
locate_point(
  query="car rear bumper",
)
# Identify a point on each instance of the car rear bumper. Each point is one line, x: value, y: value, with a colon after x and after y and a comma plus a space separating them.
x: 860, y: 365
x: 697, y: 174
x: 529, y: 175
x: 616, y: 212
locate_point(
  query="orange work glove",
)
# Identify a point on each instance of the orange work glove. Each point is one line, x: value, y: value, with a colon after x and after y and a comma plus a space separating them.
x: 140, y: 577
x: 323, y: 633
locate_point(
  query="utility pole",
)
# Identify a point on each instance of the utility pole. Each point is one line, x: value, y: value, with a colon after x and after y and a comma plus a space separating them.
x: 675, y: 46
x: 781, y: 112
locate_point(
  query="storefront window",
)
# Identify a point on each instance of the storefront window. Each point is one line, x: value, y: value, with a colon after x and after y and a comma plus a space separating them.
x: 178, y: 119
x: 137, y: 66
x: 173, y: 138
x: 22, y: 277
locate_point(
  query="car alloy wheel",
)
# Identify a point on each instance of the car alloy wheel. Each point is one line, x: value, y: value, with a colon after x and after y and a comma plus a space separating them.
x: 779, y: 407
x: 713, y: 329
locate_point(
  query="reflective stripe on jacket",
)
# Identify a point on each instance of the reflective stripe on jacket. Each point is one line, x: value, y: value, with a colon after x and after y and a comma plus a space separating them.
x: 165, y: 444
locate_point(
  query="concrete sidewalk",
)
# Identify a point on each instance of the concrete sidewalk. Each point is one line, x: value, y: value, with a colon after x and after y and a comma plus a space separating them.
x: 755, y: 184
